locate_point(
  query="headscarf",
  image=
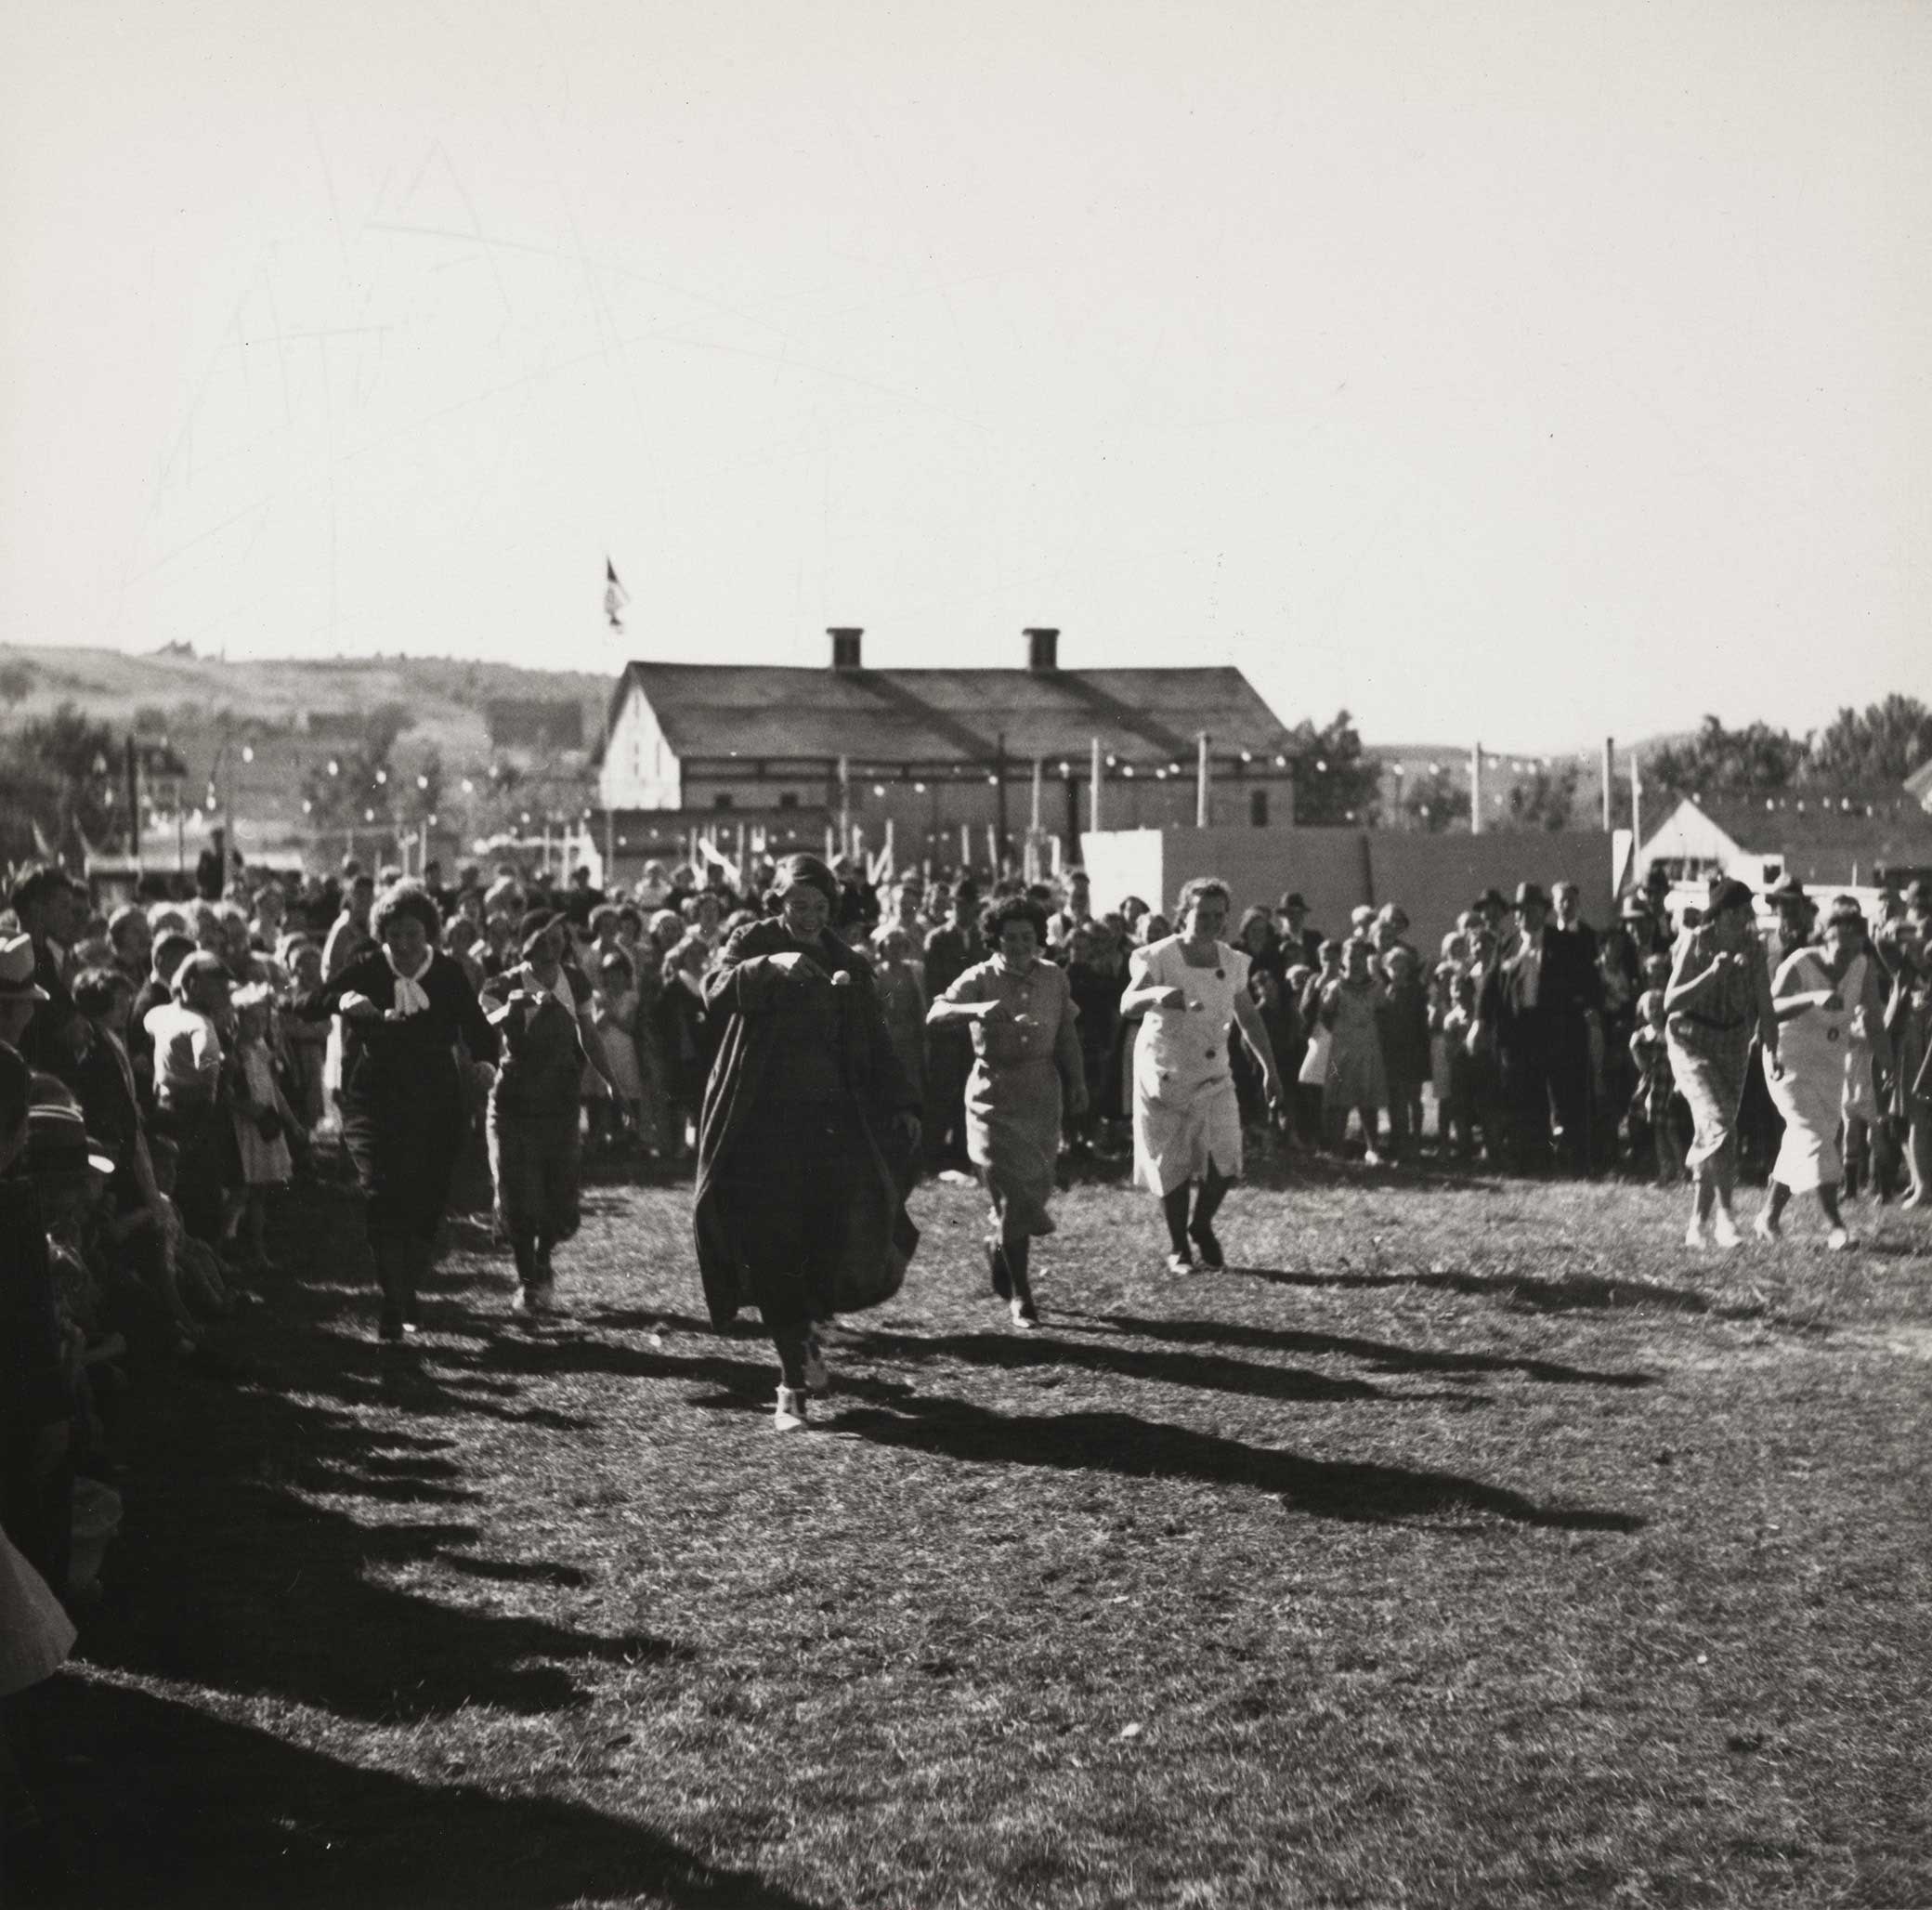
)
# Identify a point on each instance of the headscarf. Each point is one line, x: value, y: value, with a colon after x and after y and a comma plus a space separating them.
x: 808, y: 871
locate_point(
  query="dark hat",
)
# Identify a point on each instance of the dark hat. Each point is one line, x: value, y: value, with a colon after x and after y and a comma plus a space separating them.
x: 1529, y: 895
x: 1787, y: 888
x: 1293, y: 900
x: 1490, y: 898
x: 57, y: 1141
x: 17, y: 982
x: 808, y: 871
x: 535, y: 921
x: 1728, y: 893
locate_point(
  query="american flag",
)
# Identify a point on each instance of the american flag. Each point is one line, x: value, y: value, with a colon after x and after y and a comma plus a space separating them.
x: 615, y: 596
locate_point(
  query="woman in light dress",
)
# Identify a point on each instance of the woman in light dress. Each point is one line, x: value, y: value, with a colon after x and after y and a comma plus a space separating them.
x: 1719, y: 992
x: 1027, y: 1074
x: 1192, y: 987
x: 1828, y: 1002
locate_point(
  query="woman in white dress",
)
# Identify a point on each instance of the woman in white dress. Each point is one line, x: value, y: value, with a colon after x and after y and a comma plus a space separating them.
x: 1192, y: 987
x: 1820, y: 996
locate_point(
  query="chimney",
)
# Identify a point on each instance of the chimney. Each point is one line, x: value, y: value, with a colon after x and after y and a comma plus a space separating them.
x: 1042, y: 649
x: 845, y: 648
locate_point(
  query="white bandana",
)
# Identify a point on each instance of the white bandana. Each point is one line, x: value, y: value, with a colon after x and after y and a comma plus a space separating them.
x: 411, y: 996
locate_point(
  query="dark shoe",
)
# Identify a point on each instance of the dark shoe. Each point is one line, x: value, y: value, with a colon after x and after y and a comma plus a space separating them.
x: 996, y: 1265
x: 1207, y: 1246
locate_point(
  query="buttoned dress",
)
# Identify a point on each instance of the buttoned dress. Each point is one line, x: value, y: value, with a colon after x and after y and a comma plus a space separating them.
x: 1186, y: 1117
x: 1816, y: 1050
x: 1015, y: 1093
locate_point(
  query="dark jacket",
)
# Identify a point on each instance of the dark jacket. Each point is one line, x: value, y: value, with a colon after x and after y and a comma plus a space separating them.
x: 33, y: 1385
x: 739, y: 993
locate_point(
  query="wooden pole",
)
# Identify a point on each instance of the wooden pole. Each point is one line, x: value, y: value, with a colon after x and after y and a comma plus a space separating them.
x: 1203, y: 809
x: 131, y: 760
x: 1039, y: 772
x: 1609, y: 752
x: 1476, y: 789
x: 1636, y: 807
x: 1095, y: 773
x: 999, y: 802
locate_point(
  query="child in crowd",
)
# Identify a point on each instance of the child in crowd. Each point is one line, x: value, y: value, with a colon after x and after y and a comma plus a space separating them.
x: 305, y: 1038
x: 261, y: 1118
x: 1460, y: 1117
x: 901, y: 978
x: 683, y: 1038
x: 1281, y: 1015
x: 1355, y: 1079
x: 1659, y: 1112
x: 614, y: 1012
x: 1096, y: 979
x: 1311, y: 1077
x: 191, y: 1090
x: 1859, y: 1108
x: 1401, y: 1024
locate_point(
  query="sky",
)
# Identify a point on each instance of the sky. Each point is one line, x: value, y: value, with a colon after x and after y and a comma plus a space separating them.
x: 1496, y: 371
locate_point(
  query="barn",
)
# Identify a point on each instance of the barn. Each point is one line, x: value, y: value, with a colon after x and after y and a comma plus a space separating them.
x: 932, y: 753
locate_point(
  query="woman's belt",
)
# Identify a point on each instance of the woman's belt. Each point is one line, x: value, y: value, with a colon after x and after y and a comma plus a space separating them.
x: 1706, y: 1021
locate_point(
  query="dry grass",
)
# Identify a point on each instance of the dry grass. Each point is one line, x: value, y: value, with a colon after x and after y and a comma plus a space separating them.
x: 1469, y: 1546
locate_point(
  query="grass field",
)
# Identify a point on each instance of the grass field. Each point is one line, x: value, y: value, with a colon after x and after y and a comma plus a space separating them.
x: 1468, y: 1544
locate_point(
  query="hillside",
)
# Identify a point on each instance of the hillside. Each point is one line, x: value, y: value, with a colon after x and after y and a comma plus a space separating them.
x: 187, y: 697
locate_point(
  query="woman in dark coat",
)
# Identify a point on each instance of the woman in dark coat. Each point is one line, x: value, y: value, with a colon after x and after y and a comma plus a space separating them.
x: 403, y: 1005
x: 798, y: 1212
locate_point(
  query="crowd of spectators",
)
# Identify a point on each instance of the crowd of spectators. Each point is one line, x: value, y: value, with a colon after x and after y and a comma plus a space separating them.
x: 161, y: 1081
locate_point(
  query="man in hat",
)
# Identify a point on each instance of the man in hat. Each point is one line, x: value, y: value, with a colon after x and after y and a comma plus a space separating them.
x: 1918, y: 909
x: 1527, y: 1001
x: 48, y: 905
x: 1576, y: 996
x: 20, y: 994
x: 348, y: 935
x: 1291, y: 915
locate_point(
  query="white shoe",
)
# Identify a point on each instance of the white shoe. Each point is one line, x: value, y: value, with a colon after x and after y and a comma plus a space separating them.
x: 1371, y: 1158
x: 1694, y: 1236
x: 1724, y: 1232
x: 539, y: 1299
x: 790, y: 1416
x: 819, y: 1378
x: 1837, y: 1241
x: 1765, y: 1227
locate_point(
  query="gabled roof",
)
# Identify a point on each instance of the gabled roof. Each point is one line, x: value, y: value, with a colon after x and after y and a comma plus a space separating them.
x: 714, y: 710
x: 1918, y: 785
x: 1877, y: 827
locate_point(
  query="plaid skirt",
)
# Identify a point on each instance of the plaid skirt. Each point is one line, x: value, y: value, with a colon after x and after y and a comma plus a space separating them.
x: 1710, y: 1065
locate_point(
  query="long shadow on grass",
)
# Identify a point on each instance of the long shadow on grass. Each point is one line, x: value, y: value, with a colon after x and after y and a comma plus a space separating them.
x: 1569, y: 1292
x: 199, y: 1811
x: 1374, y: 1353
x: 1131, y: 1363
x: 1135, y: 1448
x: 281, y: 1543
